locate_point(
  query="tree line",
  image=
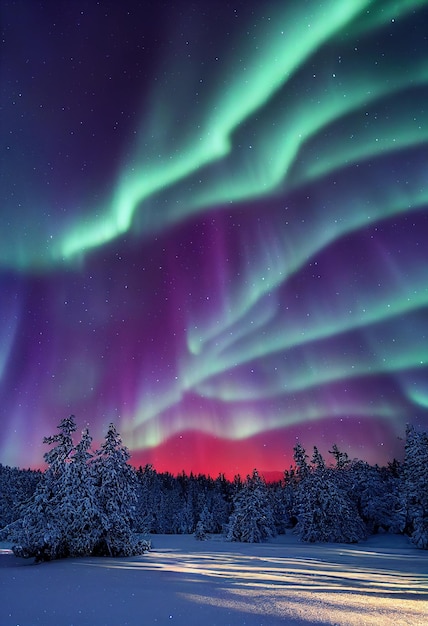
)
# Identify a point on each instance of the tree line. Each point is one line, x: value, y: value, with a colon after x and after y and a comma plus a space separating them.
x: 96, y: 503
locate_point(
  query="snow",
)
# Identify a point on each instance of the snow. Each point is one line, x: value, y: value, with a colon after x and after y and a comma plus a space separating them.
x: 187, y: 582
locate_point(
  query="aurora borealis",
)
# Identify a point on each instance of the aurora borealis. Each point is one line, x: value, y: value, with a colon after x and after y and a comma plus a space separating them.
x: 214, y: 227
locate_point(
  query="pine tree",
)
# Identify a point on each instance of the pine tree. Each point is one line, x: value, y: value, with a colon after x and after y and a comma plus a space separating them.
x: 40, y: 531
x: 80, y: 507
x: 220, y: 503
x: 62, y: 451
x: 205, y: 523
x: 200, y: 532
x: 78, y: 511
x: 324, y: 511
x: 289, y: 492
x: 416, y: 486
x: 376, y: 493
x: 318, y: 460
x: 17, y: 488
x: 147, y: 493
x: 115, y: 483
x: 168, y: 503
x: 252, y: 519
x: 279, y: 504
x: 300, y: 459
x: 184, y: 522
x: 342, y: 459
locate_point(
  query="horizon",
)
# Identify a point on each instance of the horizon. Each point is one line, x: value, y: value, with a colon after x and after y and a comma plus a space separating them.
x: 142, y: 460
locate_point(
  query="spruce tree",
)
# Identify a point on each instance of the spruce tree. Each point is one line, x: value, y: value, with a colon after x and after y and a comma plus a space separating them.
x: 376, y: 493
x: 301, y: 461
x: 147, y: 493
x: 61, y: 453
x: 342, y: 459
x: 17, y: 488
x: 79, y: 512
x: 416, y: 486
x: 115, y: 483
x: 205, y: 523
x: 40, y: 532
x: 200, y: 532
x: 252, y: 519
x: 81, y: 506
x: 324, y: 511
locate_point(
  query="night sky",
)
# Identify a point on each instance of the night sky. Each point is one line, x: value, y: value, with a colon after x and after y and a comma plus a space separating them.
x: 214, y: 228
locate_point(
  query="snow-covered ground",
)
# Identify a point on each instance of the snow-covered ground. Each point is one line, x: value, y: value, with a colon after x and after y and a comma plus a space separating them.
x: 187, y: 582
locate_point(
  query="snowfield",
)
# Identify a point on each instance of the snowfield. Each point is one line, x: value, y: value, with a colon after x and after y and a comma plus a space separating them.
x: 187, y: 582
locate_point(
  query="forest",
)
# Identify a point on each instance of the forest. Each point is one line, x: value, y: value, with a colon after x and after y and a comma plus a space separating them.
x: 95, y: 503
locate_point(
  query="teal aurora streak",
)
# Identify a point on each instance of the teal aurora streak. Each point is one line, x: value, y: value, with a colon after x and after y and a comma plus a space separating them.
x: 254, y: 264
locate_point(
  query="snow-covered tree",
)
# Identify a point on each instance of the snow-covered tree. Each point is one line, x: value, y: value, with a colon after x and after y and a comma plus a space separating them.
x: 200, y: 532
x: 377, y: 495
x: 40, y: 531
x: 289, y: 490
x: 79, y: 507
x: 63, y: 447
x: 342, y: 459
x: 115, y: 483
x: 147, y: 494
x: 252, y: 519
x: 219, y: 501
x: 279, y: 501
x: 301, y: 461
x: 169, y: 501
x: 205, y: 523
x: 325, y: 513
x: 318, y: 460
x: 184, y: 518
x: 416, y: 486
x: 17, y: 487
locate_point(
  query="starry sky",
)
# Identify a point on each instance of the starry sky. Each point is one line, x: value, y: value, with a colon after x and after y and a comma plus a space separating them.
x: 214, y: 227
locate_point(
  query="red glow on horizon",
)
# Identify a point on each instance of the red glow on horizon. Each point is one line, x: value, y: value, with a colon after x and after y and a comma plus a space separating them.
x: 271, y: 453
x: 198, y: 453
